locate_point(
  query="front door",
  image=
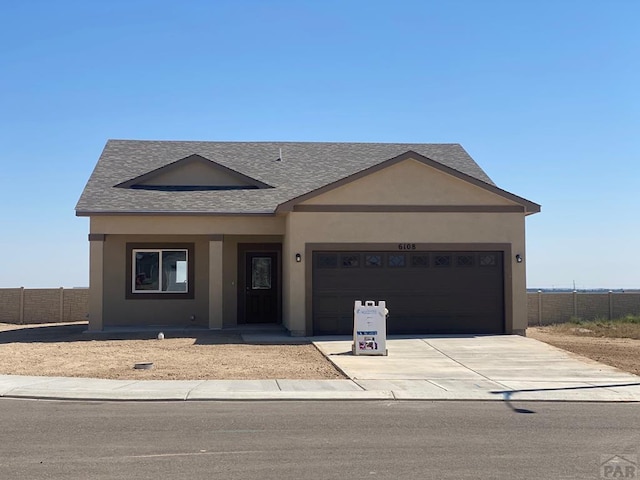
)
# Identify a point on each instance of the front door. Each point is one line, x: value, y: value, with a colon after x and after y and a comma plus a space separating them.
x: 259, y: 295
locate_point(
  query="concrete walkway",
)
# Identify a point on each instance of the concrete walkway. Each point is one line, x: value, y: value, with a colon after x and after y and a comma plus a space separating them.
x: 505, y: 367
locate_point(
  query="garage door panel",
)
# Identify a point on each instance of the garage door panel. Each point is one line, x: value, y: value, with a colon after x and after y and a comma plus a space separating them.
x: 426, y: 292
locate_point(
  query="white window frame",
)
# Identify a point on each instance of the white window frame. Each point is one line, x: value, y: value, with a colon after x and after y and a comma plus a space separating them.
x: 159, y: 251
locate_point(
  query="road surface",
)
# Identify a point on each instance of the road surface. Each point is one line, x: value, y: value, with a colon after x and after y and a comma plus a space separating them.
x: 313, y: 440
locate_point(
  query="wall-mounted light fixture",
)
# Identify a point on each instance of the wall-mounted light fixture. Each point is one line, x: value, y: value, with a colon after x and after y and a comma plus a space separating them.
x: 298, y: 258
x: 518, y: 258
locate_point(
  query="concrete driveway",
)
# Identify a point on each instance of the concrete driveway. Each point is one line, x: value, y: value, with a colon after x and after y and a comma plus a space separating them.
x: 480, y: 367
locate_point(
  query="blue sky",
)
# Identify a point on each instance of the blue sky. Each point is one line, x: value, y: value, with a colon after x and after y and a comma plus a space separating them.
x: 543, y: 94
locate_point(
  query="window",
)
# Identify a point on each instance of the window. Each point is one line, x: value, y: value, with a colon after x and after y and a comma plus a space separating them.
x: 464, y: 260
x: 350, y: 261
x: 373, y: 260
x: 160, y: 270
x: 441, y: 261
x: 261, y: 273
x: 420, y: 260
x: 327, y: 260
x: 488, y: 260
x: 396, y: 260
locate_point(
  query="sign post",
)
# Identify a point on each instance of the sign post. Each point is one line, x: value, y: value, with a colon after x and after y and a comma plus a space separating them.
x: 369, y: 328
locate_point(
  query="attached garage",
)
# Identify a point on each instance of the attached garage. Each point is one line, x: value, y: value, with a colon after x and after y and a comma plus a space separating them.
x: 430, y: 292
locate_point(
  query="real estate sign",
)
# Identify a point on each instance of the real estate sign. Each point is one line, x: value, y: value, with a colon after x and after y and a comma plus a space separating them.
x: 369, y: 328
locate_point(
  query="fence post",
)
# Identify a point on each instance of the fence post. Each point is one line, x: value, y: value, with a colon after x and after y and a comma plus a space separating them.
x: 21, y: 314
x: 61, y: 304
x: 575, y: 304
x: 610, y: 304
x: 539, y: 307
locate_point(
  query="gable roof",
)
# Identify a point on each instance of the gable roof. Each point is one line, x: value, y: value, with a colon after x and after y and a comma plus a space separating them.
x: 529, y: 206
x: 305, y: 167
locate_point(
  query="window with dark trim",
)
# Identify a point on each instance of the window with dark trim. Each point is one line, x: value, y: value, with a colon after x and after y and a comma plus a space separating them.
x: 160, y: 271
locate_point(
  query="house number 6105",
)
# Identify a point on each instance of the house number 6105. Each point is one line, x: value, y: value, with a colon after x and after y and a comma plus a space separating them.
x: 406, y: 246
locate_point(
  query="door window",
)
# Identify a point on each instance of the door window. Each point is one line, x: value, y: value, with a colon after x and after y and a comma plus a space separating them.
x: 261, y: 273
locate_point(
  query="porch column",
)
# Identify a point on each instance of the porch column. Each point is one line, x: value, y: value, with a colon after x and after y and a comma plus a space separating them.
x: 215, y: 282
x: 96, y: 278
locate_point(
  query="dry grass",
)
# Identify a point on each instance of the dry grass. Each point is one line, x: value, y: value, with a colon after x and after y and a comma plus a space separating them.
x: 622, y: 353
x: 627, y: 327
x: 63, y: 350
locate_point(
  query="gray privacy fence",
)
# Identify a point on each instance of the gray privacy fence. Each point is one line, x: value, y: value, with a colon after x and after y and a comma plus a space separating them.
x: 51, y: 305
x: 43, y: 305
x: 545, y: 308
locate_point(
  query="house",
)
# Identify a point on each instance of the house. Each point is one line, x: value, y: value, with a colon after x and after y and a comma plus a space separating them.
x: 221, y: 234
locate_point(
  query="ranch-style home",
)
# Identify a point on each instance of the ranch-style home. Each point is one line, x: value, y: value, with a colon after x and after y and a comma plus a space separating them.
x: 224, y: 234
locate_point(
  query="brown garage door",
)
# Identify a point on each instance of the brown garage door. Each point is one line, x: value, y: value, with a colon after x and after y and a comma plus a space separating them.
x: 426, y: 292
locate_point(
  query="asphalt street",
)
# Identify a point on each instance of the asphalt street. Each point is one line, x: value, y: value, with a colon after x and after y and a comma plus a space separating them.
x: 313, y: 440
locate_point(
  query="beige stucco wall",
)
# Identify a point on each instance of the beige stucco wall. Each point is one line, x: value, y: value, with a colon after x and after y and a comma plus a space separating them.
x: 408, y: 183
x: 195, y: 173
x: 188, y: 225
x: 395, y: 228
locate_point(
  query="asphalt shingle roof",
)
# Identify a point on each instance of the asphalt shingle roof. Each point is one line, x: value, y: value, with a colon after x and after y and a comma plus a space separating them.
x: 305, y: 167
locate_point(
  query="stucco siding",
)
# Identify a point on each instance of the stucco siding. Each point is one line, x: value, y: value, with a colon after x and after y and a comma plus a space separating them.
x: 408, y: 183
x: 188, y: 225
x: 194, y: 174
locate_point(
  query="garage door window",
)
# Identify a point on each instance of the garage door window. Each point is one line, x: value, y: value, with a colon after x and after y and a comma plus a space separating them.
x: 327, y: 260
x: 464, y: 260
x: 350, y: 261
x: 442, y: 261
x: 373, y: 260
x: 420, y: 261
x: 488, y: 260
x: 397, y: 260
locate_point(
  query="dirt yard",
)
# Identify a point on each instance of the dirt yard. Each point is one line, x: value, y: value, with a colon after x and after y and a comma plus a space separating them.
x: 622, y: 353
x: 63, y: 350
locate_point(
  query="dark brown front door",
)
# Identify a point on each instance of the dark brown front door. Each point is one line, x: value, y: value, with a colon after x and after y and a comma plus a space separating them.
x: 259, y: 285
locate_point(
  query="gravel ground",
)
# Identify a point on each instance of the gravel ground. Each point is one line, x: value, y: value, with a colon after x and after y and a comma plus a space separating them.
x: 622, y: 353
x: 63, y: 350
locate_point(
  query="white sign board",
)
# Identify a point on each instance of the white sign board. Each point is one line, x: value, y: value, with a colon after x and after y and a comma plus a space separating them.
x: 369, y: 328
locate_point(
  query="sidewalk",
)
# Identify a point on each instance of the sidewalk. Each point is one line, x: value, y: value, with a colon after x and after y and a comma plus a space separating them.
x: 503, y: 367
